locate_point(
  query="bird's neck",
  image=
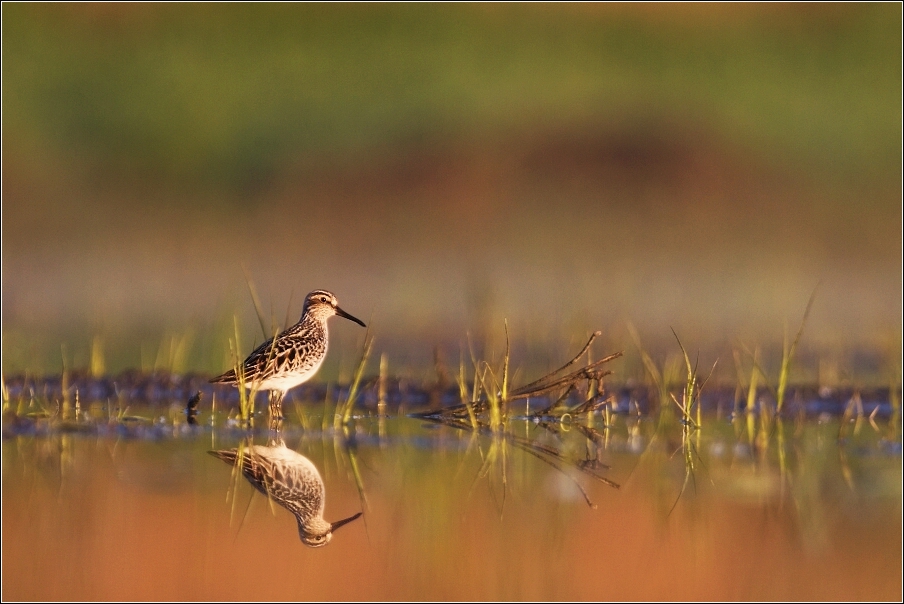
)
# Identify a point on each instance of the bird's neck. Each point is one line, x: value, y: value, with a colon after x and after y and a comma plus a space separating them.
x: 309, y: 321
x: 313, y: 525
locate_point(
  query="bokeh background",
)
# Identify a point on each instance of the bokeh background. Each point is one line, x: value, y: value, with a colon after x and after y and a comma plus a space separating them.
x: 445, y: 168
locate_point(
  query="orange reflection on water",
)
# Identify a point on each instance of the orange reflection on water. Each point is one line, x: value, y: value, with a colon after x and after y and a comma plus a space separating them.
x: 87, y: 518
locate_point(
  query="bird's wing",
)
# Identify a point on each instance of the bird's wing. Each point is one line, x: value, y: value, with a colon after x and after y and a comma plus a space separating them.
x: 258, y: 364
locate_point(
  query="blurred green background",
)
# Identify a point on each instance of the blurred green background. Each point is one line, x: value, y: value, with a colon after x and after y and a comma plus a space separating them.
x: 444, y: 167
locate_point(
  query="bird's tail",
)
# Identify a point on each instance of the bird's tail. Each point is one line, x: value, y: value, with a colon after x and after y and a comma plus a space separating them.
x: 227, y: 455
x: 226, y: 378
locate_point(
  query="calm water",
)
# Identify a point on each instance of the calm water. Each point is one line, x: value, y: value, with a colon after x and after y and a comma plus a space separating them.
x: 141, y: 511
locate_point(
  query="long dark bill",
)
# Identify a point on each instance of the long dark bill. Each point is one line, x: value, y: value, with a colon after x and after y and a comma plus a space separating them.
x: 345, y: 315
x: 335, y: 525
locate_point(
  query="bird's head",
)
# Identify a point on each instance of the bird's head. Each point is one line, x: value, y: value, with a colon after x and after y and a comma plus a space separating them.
x: 322, y: 305
x: 318, y: 533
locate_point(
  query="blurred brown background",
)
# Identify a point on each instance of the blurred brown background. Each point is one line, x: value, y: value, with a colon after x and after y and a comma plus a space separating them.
x: 442, y: 168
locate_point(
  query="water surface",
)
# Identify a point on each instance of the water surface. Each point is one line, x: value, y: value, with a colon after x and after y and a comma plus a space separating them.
x: 141, y: 511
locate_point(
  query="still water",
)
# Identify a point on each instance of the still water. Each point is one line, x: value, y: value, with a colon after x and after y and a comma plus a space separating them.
x: 545, y: 511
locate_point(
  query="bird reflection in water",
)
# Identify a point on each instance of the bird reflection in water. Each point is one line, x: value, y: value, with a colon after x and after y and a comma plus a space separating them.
x: 292, y: 481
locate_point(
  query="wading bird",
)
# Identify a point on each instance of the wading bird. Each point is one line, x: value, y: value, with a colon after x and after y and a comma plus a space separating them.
x: 292, y: 357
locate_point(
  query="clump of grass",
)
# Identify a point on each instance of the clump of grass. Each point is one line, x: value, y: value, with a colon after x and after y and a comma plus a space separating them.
x: 690, y: 396
x: 381, y: 385
x: 64, y: 382
x: 489, y: 395
x: 586, y: 379
x: 344, y: 408
x: 488, y: 401
x: 663, y: 380
x: 750, y: 385
x: 492, y: 395
x: 246, y: 398
x: 788, y: 355
x: 750, y: 405
x: 466, y: 401
x: 778, y: 392
x: 497, y: 394
x: 503, y: 399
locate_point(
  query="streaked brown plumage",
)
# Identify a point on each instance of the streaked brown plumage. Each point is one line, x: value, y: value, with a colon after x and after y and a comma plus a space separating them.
x: 292, y: 481
x: 293, y: 356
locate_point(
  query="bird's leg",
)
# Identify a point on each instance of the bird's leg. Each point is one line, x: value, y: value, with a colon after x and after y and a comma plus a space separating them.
x: 276, y: 397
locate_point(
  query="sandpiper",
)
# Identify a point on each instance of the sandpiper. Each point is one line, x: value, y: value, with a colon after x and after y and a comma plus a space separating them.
x: 292, y: 357
x: 292, y: 481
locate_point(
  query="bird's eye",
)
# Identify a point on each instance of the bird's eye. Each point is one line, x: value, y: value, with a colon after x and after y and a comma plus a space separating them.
x: 323, y: 299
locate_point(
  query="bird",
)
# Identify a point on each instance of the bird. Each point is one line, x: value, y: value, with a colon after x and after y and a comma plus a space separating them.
x: 291, y: 480
x: 292, y: 357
